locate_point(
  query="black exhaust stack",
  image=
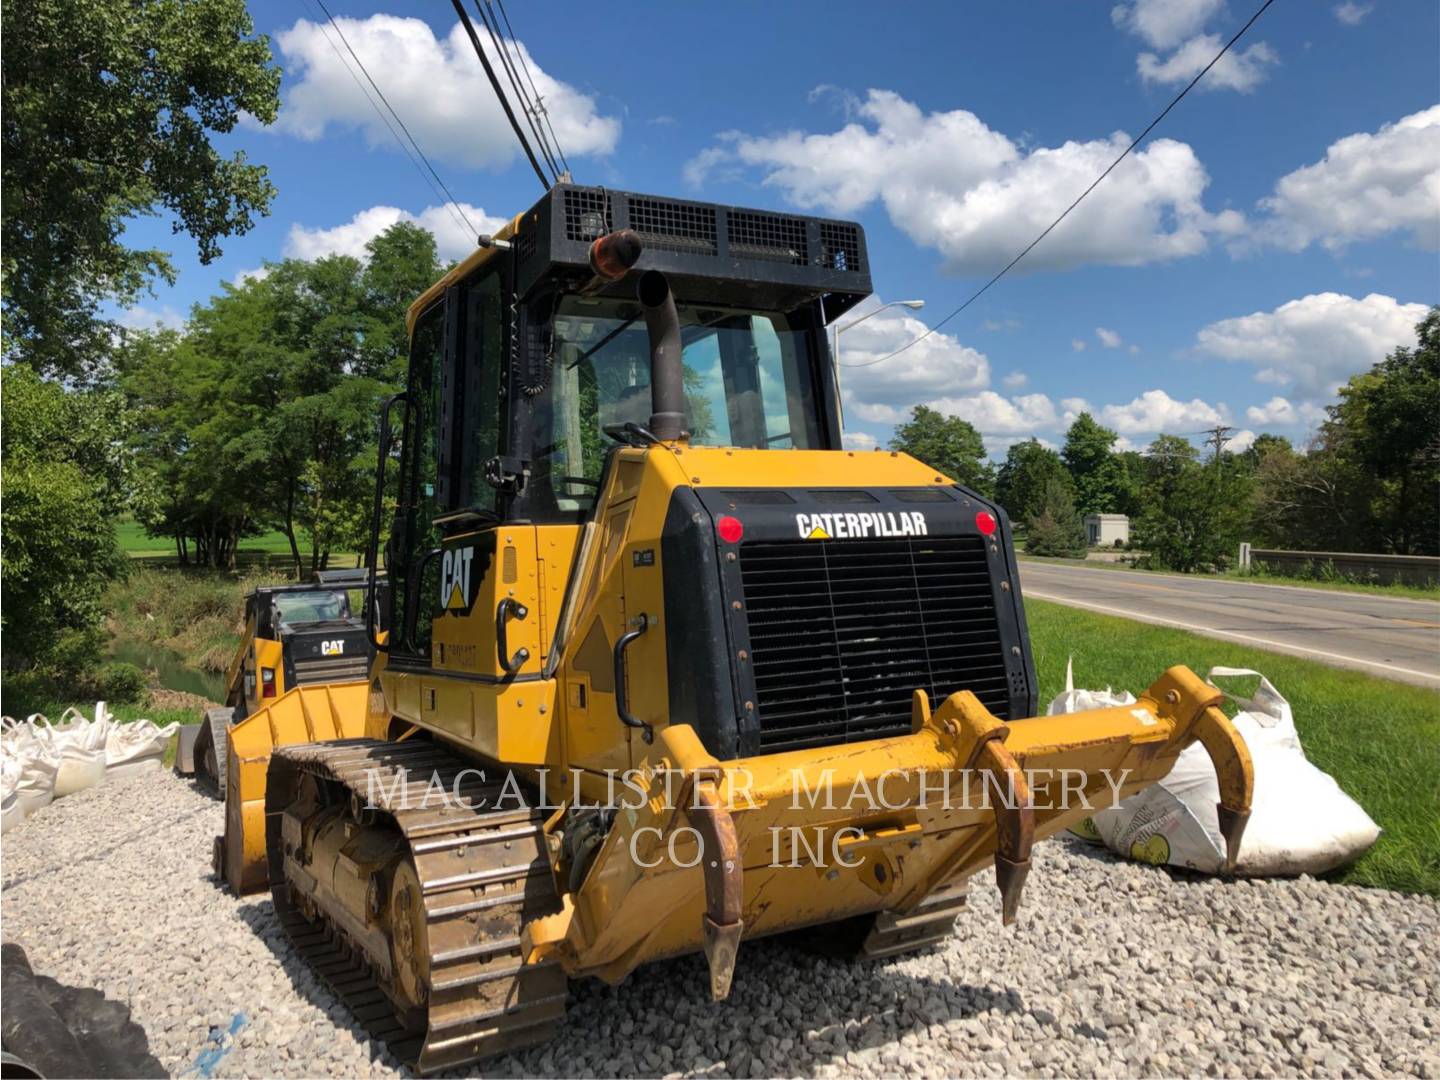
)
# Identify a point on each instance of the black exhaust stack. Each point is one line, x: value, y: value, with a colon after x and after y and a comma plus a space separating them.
x: 667, y: 374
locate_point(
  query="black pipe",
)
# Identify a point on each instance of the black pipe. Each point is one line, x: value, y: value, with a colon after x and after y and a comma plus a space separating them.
x: 667, y: 374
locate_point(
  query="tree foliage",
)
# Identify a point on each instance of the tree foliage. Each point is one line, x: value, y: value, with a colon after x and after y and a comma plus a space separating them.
x: 1194, y: 512
x: 1370, y: 480
x: 1054, y: 526
x: 949, y: 445
x: 1021, y: 483
x: 64, y: 481
x: 264, y: 412
x: 109, y: 109
x: 1103, y: 483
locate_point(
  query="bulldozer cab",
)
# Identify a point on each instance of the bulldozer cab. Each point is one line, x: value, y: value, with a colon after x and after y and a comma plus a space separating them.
x: 529, y: 369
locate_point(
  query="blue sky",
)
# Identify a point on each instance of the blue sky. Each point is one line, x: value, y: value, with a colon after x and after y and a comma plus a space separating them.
x: 1277, y: 234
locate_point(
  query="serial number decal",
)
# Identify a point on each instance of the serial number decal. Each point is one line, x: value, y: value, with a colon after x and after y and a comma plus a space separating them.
x: 859, y: 526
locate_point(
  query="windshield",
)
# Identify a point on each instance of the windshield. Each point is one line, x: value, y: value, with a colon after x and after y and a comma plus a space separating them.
x: 312, y: 606
x: 748, y: 382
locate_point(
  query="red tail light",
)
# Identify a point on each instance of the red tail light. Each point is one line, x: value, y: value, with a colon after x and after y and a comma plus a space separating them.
x: 267, y: 682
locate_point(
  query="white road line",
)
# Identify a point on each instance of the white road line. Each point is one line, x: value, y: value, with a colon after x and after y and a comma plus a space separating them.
x: 1199, y: 579
x: 1282, y: 646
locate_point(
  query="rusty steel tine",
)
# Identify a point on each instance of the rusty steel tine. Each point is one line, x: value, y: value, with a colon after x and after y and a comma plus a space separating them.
x: 1014, y: 825
x: 724, y: 885
x: 1235, y: 773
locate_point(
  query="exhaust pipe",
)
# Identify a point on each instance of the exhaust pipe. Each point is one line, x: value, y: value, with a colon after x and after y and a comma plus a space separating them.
x: 667, y: 374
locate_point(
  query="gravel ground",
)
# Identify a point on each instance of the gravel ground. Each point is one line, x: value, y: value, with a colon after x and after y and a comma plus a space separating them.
x: 1113, y: 969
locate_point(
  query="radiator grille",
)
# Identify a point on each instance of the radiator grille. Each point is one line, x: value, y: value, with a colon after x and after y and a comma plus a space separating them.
x: 332, y: 669
x: 843, y: 632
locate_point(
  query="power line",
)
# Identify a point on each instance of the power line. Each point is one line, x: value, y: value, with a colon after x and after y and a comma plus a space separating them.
x: 463, y: 219
x: 492, y: 27
x: 540, y: 109
x: 499, y: 93
x: 1111, y: 168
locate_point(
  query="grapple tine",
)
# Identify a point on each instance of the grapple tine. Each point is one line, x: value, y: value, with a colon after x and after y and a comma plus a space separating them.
x: 721, y: 926
x: 1014, y: 824
x: 1235, y: 773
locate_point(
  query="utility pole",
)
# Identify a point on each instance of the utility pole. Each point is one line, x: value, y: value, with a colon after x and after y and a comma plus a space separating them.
x: 1219, y: 436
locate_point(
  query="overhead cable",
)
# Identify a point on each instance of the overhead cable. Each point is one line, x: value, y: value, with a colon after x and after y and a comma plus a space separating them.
x: 433, y: 178
x: 499, y: 93
x: 1080, y: 198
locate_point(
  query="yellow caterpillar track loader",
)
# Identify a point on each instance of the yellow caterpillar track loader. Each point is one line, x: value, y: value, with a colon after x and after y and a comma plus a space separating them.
x: 294, y: 635
x: 666, y: 668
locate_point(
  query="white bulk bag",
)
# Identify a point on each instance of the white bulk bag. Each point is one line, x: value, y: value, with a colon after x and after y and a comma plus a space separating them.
x: 1300, y: 820
x: 28, y: 749
x: 11, y: 812
x: 135, y: 748
x: 81, y: 746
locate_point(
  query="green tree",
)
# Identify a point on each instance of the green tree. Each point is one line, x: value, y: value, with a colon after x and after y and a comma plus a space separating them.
x: 64, y: 474
x: 1193, y: 512
x: 1103, y: 482
x: 1028, y: 469
x: 1370, y: 479
x: 109, y: 108
x: 1264, y: 445
x: 1389, y: 419
x: 1054, y: 526
x: 948, y: 444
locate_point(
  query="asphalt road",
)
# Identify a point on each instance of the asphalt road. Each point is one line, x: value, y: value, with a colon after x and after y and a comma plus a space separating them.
x: 1381, y: 635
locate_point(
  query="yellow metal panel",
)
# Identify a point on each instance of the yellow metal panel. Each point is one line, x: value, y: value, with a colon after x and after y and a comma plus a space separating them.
x: 306, y: 714
x: 706, y: 466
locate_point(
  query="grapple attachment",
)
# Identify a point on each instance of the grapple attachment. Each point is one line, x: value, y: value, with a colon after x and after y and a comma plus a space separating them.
x: 782, y: 841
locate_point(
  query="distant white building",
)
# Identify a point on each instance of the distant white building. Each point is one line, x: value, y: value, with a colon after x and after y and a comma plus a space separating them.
x: 1106, y: 530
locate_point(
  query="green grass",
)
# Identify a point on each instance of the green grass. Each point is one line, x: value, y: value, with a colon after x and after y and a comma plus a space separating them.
x: 1416, y: 592
x: 268, y: 551
x: 196, y: 613
x: 1379, y: 739
x: 134, y: 541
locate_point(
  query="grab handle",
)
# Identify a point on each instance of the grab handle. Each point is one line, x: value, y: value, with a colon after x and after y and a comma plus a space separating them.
x: 622, y: 694
x: 508, y: 609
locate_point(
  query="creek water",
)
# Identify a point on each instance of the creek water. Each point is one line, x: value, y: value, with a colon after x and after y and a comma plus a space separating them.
x: 170, y: 668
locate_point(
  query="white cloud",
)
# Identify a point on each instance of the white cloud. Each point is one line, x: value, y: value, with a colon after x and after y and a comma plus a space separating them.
x: 952, y: 183
x: 453, y: 239
x: 1277, y: 412
x: 859, y: 440
x: 1365, y: 186
x: 1015, y: 380
x: 1109, y: 338
x: 993, y: 414
x: 1176, y: 26
x: 1157, y: 411
x: 1351, y: 13
x: 244, y: 277
x: 1240, y: 441
x: 1239, y: 69
x: 438, y: 86
x: 1133, y: 350
x: 140, y: 317
x: 1164, y: 24
x: 1317, y: 342
x: 1078, y: 344
x: 885, y: 392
